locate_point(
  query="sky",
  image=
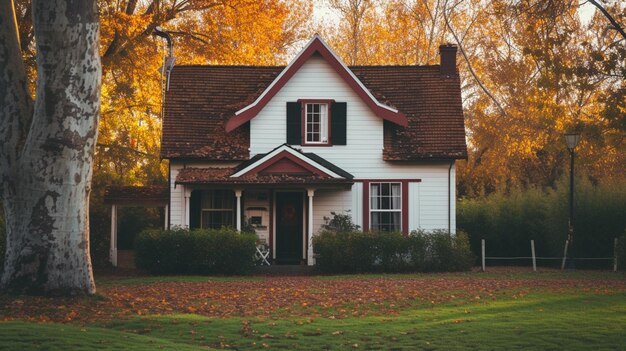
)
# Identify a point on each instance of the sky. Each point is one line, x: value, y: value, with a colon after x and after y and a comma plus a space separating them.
x: 323, y: 13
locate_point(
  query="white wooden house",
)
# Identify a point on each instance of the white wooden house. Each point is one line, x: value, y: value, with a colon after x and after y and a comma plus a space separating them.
x: 283, y: 147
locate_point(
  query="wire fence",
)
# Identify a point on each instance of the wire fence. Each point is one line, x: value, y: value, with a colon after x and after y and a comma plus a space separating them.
x: 533, y: 257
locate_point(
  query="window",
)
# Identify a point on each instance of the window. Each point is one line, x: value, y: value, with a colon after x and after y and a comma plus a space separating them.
x: 217, y: 209
x: 316, y: 123
x: 386, y: 206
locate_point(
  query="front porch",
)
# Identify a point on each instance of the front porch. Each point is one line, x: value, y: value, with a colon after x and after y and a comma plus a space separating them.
x: 273, y: 194
x: 283, y: 217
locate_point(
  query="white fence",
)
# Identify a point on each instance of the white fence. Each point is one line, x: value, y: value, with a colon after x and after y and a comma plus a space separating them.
x: 534, y: 257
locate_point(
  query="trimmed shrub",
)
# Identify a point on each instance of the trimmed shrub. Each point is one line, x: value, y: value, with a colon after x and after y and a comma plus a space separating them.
x: 199, y: 251
x: 421, y: 251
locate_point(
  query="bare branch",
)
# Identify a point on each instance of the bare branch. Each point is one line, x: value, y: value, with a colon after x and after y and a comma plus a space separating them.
x: 469, y: 64
x: 608, y: 16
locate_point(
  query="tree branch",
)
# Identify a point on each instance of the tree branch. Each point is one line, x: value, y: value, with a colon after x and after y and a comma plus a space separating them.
x: 469, y: 64
x: 609, y: 17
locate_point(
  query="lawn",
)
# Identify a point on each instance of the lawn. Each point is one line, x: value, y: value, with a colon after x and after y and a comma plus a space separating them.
x: 473, y: 311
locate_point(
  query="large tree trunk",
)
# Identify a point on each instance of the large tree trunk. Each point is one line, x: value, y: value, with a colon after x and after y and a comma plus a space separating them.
x: 47, y: 161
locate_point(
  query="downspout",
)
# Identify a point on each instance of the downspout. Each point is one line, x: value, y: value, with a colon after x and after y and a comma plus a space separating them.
x: 168, y: 65
x: 449, y: 194
x: 169, y: 198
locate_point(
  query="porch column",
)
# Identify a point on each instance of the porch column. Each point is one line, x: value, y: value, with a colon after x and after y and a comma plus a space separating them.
x: 310, y: 260
x: 238, y: 220
x: 187, y: 206
x: 113, y: 249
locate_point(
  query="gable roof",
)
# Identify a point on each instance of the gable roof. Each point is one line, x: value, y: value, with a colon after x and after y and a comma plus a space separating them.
x: 316, y: 46
x: 201, y: 99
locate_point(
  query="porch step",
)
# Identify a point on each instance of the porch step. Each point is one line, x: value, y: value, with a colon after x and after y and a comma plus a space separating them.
x: 284, y: 270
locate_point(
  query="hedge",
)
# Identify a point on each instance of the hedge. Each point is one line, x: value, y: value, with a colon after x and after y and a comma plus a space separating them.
x: 509, y: 220
x: 420, y: 251
x: 198, y: 251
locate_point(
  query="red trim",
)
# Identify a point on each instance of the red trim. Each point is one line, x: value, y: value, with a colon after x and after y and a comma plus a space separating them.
x: 328, y: 103
x: 405, y: 201
x: 271, y: 227
x: 316, y: 46
x: 366, y: 205
x: 280, y: 156
x: 285, y: 166
x: 387, y: 180
x: 405, y: 207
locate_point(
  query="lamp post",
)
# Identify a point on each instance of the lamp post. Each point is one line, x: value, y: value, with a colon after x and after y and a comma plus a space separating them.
x: 571, y: 139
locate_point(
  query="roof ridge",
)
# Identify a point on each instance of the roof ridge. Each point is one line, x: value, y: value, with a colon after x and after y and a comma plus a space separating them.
x: 224, y: 65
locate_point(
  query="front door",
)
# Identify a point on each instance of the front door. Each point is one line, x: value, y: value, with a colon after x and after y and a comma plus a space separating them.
x: 288, y: 228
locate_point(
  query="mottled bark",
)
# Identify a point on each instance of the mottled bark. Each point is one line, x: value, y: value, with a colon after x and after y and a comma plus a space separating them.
x: 46, y: 186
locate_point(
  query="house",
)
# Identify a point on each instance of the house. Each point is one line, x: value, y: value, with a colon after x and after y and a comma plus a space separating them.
x: 281, y: 148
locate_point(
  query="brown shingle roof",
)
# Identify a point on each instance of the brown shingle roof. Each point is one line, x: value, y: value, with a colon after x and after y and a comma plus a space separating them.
x: 202, y: 98
x: 192, y: 175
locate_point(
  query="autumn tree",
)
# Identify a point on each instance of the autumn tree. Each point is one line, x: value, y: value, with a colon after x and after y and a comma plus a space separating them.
x: 47, y: 147
x: 530, y: 71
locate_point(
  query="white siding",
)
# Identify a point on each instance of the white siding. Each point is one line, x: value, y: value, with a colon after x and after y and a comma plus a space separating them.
x: 177, y: 198
x: 414, y: 206
x: 326, y: 201
x: 357, y: 204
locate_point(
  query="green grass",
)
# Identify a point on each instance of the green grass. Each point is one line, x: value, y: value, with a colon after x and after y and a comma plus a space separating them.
x: 49, y: 336
x: 540, y: 320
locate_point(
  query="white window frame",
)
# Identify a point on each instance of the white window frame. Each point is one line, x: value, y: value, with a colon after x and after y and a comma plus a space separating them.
x: 394, y: 210
x: 324, y: 125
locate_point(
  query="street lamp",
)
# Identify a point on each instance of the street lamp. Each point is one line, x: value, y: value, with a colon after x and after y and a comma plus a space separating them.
x: 571, y: 139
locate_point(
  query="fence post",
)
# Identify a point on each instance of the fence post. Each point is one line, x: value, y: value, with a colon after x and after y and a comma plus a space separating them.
x: 532, y: 249
x: 482, y: 250
x: 564, y: 255
x: 615, y: 255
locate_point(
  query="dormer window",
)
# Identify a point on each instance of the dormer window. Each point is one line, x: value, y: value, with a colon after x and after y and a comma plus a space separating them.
x: 316, y: 123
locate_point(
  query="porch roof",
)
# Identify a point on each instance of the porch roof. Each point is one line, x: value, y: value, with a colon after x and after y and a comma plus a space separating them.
x: 214, y: 175
x: 152, y: 195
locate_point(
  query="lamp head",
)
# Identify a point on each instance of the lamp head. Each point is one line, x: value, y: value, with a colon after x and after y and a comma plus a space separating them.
x: 572, y: 139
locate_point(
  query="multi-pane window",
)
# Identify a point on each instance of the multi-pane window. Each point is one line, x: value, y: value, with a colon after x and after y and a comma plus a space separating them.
x: 386, y: 206
x: 217, y: 209
x: 316, y: 123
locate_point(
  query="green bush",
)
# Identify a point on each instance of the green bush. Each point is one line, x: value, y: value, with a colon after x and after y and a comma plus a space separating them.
x: 509, y: 220
x: 357, y: 252
x: 199, y: 251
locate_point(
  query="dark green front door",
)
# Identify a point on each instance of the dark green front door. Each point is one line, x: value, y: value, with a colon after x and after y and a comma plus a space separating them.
x: 288, y: 227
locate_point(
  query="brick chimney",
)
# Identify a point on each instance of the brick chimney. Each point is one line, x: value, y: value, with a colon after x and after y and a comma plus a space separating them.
x: 447, y: 55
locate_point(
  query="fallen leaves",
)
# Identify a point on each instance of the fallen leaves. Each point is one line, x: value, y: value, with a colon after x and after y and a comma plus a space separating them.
x: 306, y: 297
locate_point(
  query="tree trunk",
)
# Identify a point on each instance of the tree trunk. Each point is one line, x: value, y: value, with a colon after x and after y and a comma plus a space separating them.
x: 47, y: 179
